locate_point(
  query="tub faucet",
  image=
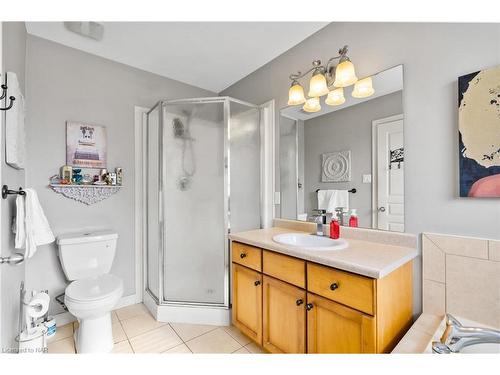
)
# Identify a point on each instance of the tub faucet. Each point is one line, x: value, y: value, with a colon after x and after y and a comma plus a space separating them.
x: 456, y: 337
x: 320, y: 220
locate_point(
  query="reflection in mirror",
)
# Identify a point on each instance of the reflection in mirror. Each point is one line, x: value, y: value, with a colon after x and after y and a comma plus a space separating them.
x: 347, y: 159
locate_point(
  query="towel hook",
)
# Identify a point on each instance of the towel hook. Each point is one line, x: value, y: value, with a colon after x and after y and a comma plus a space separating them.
x: 6, y: 192
x: 4, y: 95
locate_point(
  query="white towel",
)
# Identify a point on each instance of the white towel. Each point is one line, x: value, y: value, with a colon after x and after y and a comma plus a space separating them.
x: 329, y: 200
x: 32, y: 227
x: 14, y: 125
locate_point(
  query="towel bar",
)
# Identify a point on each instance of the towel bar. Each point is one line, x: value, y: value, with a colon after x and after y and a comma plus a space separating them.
x: 6, y: 192
x: 353, y: 190
x: 13, y: 259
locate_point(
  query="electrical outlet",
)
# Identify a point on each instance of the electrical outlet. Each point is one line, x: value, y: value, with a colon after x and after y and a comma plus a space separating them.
x: 367, y: 179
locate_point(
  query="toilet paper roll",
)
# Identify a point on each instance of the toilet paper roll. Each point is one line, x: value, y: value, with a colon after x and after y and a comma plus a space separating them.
x: 38, y: 305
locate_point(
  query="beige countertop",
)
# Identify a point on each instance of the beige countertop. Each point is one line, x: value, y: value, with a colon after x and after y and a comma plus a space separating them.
x: 372, y: 259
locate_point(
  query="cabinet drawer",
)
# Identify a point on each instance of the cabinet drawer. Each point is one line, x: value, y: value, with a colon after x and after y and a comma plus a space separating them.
x: 247, y: 256
x: 285, y: 268
x: 344, y: 287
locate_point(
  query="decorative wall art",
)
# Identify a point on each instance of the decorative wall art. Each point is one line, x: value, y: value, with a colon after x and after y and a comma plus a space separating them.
x: 336, y: 166
x: 479, y: 133
x: 85, y: 145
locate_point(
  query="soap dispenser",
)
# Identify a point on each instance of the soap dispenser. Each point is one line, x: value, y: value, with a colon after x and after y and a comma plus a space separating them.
x: 353, y: 219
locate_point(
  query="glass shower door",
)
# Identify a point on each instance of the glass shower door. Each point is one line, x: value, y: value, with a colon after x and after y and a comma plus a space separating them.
x: 194, y: 173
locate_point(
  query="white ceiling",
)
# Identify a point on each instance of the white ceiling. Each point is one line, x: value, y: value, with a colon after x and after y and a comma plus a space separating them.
x: 384, y: 83
x: 210, y: 55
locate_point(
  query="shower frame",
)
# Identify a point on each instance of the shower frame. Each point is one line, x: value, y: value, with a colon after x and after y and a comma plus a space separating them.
x: 160, y: 300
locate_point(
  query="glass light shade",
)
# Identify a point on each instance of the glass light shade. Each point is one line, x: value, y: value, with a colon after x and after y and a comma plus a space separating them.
x: 317, y: 86
x: 312, y: 105
x: 345, y: 74
x: 296, y: 95
x: 335, y: 97
x: 363, y: 88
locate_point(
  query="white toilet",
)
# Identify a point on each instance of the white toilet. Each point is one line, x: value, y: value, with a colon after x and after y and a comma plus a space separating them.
x: 86, y: 259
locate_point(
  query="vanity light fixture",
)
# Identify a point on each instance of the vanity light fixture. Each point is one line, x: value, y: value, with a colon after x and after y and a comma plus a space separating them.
x: 296, y: 94
x: 335, y: 97
x: 325, y: 77
x: 312, y: 105
x: 363, y: 88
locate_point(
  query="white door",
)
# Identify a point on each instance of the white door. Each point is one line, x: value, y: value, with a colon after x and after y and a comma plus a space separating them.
x: 389, y: 182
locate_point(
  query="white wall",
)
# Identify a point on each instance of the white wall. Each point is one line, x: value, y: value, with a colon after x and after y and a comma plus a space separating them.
x: 13, y: 60
x: 67, y: 84
x: 434, y: 56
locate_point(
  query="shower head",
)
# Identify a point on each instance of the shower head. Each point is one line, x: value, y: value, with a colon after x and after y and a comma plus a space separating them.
x: 178, y: 128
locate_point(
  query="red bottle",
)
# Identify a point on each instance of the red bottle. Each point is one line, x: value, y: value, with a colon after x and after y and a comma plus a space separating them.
x: 334, y: 228
x: 353, y: 220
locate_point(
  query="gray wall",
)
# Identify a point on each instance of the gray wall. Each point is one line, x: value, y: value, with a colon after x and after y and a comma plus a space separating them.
x: 67, y: 84
x: 347, y: 129
x: 434, y: 55
x: 13, y: 60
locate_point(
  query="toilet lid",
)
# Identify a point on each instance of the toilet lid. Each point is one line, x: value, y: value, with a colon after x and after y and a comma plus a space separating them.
x: 94, y: 288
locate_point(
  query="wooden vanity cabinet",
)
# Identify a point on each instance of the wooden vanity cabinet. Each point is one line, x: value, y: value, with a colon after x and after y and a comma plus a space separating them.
x: 289, y: 305
x: 247, y: 302
x: 284, y: 317
x: 335, y: 328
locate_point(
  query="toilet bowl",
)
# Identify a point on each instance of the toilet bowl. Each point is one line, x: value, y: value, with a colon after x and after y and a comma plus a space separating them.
x: 91, y: 300
x: 86, y: 259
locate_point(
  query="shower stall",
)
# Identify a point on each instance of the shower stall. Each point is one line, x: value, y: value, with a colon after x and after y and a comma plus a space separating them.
x: 202, y: 180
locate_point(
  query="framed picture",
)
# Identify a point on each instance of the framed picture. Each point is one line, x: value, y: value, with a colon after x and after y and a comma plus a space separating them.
x: 479, y: 133
x: 85, y: 145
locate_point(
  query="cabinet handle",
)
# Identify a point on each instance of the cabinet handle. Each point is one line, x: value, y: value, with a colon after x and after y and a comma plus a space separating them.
x: 334, y: 286
x: 309, y: 306
x: 242, y: 255
x: 299, y: 302
x: 257, y: 283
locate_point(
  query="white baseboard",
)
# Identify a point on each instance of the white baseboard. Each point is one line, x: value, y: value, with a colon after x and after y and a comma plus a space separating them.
x: 218, y: 316
x: 66, y: 317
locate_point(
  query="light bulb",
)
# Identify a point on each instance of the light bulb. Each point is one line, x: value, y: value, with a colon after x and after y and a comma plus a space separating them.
x: 363, y: 88
x: 317, y: 85
x: 296, y: 94
x: 345, y: 74
x: 312, y: 105
x: 335, y: 97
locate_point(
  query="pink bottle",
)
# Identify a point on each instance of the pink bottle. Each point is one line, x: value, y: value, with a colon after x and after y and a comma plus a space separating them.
x: 334, y: 228
x: 353, y: 219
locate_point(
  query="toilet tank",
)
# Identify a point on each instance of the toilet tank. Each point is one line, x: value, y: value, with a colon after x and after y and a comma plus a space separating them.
x: 87, y: 254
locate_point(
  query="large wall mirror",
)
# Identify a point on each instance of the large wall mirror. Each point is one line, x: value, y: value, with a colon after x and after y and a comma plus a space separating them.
x: 349, y: 155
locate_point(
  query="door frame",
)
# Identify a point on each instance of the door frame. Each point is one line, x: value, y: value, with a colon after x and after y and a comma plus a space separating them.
x: 375, y: 124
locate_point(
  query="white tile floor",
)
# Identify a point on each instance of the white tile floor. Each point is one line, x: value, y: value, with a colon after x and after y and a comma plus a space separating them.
x: 136, y: 331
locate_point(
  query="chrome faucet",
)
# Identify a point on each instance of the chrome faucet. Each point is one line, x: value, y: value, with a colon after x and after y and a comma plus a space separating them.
x: 456, y: 337
x: 320, y: 220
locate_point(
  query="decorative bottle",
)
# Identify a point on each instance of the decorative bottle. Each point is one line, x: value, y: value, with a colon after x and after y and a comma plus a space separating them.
x: 353, y: 219
x: 334, y: 228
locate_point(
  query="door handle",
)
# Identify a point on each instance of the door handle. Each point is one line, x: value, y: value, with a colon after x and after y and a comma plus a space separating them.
x: 382, y: 209
x: 309, y: 306
x: 299, y: 302
x: 242, y: 255
x: 257, y: 283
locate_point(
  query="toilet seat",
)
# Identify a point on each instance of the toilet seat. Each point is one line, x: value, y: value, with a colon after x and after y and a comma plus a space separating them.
x: 93, y: 290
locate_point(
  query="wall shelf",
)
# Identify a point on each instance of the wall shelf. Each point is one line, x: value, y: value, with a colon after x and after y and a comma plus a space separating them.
x: 87, y: 194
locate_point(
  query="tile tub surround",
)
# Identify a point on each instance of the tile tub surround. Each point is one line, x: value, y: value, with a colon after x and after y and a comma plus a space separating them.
x: 461, y: 276
x: 372, y: 259
x: 136, y: 331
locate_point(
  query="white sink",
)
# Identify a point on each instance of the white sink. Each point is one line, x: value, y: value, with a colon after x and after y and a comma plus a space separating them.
x: 310, y: 242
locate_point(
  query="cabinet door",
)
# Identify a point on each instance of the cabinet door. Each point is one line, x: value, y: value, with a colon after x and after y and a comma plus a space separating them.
x: 284, y: 317
x: 247, y: 302
x: 334, y: 328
